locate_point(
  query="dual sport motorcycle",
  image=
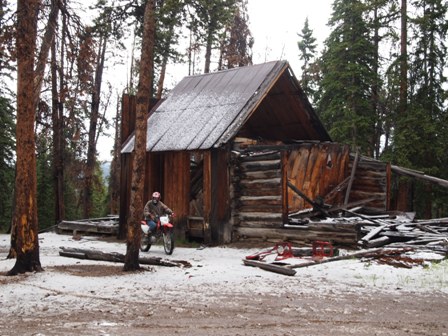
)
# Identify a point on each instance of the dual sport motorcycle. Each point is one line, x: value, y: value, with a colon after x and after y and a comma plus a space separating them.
x: 164, y: 232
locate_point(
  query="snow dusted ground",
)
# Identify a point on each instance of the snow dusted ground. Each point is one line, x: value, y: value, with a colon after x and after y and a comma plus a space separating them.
x: 217, y: 273
x: 222, y: 266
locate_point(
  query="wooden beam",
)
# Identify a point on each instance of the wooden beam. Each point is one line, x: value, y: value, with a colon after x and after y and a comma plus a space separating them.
x: 419, y: 175
x: 352, y: 177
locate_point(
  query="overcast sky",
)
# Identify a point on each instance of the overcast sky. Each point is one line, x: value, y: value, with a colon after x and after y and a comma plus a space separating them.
x: 275, y: 24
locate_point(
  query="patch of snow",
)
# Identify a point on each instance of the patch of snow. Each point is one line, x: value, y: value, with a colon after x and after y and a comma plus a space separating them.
x: 215, y: 271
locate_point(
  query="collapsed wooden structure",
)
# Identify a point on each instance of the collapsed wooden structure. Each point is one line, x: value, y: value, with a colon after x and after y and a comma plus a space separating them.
x: 103, y: 225
x: 237, y: 153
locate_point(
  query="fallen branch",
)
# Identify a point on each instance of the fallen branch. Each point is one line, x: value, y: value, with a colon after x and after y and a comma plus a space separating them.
x: 118, y: 257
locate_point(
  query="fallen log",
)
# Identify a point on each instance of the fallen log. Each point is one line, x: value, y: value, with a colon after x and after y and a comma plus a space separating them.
x: 118, y: 257
x: 270, y: 267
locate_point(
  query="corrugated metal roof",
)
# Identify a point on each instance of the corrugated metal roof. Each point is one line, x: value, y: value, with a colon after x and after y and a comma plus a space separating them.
x: 206, y: 111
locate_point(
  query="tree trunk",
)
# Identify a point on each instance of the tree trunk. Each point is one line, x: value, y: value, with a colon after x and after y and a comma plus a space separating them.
x: 94, y: 116
x: 165, y: 59
x: 161, y: 78
x: 403, y: 59
x: 58, y: 97
x: 376, y: 141
x: 114, y: 181
x: 45, y: 49
x: 24, y: 240
x: 144, y: 94
x: 208, y: 50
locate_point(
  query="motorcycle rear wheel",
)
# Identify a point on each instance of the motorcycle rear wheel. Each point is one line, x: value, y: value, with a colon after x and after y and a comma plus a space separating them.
x: 145, y: 245
x: 168, y: 241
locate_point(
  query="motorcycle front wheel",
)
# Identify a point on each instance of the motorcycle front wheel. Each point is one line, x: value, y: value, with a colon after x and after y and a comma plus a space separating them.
x: 168, y: 241
x: 145, y: 245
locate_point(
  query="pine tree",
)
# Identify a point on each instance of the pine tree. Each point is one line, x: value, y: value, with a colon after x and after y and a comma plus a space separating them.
x: 209, y: 21
x: 381, y: 18
x: 427, y: 148
x: 7, y: 147
x: 6, y: 44
x: 307, y: 47
x: 237, y: 40
x: 421, y: 142
x: 170, y: 15
x: 347, y: 78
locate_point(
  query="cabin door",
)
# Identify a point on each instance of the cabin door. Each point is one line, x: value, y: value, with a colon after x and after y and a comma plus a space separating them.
x: 196, y: 223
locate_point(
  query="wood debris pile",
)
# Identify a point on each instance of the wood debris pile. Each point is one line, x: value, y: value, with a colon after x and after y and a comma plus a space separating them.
x: 404, y: 232
x: 376, y: 228
x: 392, y: 230
x: 387, y: 238
x: 397, y: 257
x: 103, y: 225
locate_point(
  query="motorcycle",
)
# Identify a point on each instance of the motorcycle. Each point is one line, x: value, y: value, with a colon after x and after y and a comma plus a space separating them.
x: 164, y: 232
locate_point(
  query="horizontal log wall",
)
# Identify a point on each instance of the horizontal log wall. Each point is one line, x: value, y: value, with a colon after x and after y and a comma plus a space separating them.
x: 371, y: 180
x: 304, y: 235
x: 257, y: 190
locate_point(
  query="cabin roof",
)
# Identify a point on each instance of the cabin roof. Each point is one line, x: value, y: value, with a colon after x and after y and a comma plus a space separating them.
x: 205, y: 111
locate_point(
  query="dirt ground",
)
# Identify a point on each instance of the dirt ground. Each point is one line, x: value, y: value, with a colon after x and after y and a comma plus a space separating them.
x: 225, y: 313
x: 216, y: 296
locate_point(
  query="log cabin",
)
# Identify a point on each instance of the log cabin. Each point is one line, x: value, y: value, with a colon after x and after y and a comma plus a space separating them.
x: 234, y: 153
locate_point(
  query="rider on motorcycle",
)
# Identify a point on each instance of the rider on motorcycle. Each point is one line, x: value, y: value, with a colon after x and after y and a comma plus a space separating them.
x: 155, y: 208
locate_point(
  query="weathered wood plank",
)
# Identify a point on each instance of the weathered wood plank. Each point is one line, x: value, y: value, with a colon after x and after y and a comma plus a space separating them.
x: 304, y: 236
x: 270, y: 267
x: 260, y: 165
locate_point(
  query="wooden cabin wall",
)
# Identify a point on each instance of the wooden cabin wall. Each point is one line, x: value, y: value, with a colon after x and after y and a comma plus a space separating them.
x: 207, y: 192
x: 220, y: 229
x: 403, y: 195
x: 261, y: 194
x: 257, y: 193
x: 216, y: 195
x: 153, y: 175
x: 316, y: 169
x: 176, y: 181
x: 372, y: 179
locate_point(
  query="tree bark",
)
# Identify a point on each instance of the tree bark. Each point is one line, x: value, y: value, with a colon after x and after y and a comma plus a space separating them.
x: 47, y: 40
x: 24, y: 240
x: 94, y: 116
x: 403, y: 59
x: 58, y: 97
x: 115, y: 167
x: 144, y: 94
x: 208, y: 50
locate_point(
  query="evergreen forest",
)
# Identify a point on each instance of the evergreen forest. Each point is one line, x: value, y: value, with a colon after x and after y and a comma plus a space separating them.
x: 379, y: 85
